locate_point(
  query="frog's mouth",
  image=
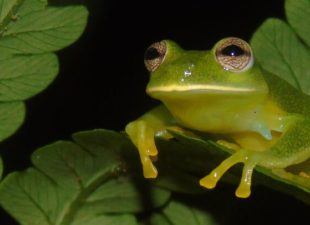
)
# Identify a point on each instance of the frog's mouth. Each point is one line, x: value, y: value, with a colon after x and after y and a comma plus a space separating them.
x: 197, y: 88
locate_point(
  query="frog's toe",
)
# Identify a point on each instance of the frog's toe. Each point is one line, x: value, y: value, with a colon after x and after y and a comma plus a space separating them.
x: 242, y: 156
x: 149, y: 148
x: 209, y: 181
x: 244, y: 188
x: 149, y: 170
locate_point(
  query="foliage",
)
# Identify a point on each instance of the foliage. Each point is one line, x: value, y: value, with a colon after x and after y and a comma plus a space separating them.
x: 96, y: 177
x: 280, y: 51
x: 29, y: 32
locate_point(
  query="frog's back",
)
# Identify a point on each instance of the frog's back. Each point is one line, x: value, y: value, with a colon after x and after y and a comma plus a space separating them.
x: 286, y: 96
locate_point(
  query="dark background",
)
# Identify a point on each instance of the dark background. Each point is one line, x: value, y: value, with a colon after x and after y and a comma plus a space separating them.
x: 102, y: 80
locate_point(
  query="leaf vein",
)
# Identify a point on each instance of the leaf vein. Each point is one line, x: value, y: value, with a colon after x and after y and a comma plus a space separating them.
x: 278, y: 50
x: 35, y: 203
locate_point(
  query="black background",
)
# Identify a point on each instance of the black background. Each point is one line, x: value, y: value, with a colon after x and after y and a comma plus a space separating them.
x: 102, y: 80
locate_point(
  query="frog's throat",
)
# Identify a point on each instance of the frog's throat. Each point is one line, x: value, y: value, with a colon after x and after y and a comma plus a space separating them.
x: 200, y: 87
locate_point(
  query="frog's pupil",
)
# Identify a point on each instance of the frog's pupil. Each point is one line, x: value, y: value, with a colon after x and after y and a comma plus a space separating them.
x: 151, y: 53
x: 232, y: 50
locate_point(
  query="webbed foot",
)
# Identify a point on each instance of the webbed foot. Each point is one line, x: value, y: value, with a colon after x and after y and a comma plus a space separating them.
x: 143, y: 138
x: 249, y: 159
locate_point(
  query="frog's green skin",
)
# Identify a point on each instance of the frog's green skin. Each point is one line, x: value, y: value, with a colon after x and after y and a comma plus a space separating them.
x: 267, y: 119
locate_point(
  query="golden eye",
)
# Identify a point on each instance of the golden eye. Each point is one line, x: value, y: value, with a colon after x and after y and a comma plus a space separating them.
x: 155, y: 55
x: 234, y: 54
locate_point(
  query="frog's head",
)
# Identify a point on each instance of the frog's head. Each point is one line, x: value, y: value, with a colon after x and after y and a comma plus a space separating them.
x: 228, y: 68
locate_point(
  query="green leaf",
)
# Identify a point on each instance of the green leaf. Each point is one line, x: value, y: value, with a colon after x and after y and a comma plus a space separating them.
x: 159, y: 219
x: 80, y: 182
x: 297, y: 13
x: 278, y: 50
x: 126, y: 219
x: 177, y: 213
x: 42, y: 31
x: 28, y: 76
x: 29, y: 32
x: 11, y: 118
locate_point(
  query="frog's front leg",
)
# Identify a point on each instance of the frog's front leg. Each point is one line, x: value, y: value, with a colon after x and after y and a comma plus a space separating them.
x: 142, y: 133
x: 241, y: 156
x: 291, y: 147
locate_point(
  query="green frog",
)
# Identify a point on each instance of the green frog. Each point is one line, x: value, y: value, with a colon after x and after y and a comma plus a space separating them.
x: 262, y: 118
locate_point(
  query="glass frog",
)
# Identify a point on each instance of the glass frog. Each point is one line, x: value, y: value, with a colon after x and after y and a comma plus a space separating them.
x: 262, y: 118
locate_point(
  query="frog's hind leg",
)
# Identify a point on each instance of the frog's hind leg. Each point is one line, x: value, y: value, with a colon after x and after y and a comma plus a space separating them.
x: 242, y: 156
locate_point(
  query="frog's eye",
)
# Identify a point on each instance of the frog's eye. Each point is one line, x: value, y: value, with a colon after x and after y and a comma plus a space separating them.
x: 234, y: 54
x: 155, y: 55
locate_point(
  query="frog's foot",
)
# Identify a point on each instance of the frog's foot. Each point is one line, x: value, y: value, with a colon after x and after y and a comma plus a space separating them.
x: 242, y: 156
x: 148, y: 152
x: 142, y: 136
